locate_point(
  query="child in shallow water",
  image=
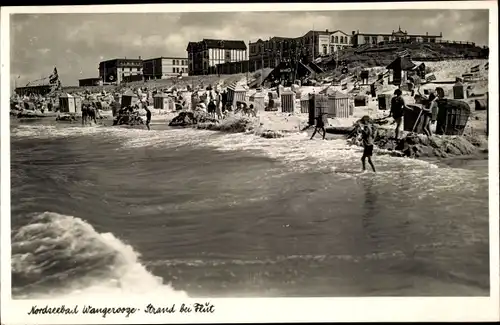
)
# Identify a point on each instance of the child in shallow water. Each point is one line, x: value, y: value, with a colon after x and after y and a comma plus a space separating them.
x: 368, y: 137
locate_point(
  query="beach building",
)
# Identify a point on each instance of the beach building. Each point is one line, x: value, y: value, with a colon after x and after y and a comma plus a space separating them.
x: 322, y: 43
x: 88, y: 82
x: 313, y: 44
x: 269, y: 53
x: 113, y: 71
x: 165, y: 67
x: 359, y: 39
x: 203, y: 56
x: 33, y: 90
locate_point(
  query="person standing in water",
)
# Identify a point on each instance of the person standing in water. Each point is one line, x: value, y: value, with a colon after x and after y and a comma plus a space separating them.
x: 397, y: 110
x: 320, y: 125
x: 368, y: 137
x: 148, y: 117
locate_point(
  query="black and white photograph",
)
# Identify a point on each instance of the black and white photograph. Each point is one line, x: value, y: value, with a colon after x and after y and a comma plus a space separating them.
x: 192, y: 154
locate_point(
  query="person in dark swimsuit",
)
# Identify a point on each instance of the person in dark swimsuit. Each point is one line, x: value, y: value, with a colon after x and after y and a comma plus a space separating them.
x: 148, y: 117
x: 397, y: 110
x: 368, y: 137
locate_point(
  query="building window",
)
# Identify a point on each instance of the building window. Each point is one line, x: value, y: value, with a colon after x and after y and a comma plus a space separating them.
x: 324, y: 50
x: 336, y: 39
x: 367, y: 39
x: 332, y: 49
x: 333, y: 39
x: 374, y: 39
x: 386, y: 38
x: 341, y: 39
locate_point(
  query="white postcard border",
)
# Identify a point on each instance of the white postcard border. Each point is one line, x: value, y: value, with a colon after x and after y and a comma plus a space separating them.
x: 262, y: 309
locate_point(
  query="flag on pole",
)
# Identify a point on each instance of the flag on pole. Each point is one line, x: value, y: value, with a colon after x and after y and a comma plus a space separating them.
x: 474, y: 69
x: 54, y: 77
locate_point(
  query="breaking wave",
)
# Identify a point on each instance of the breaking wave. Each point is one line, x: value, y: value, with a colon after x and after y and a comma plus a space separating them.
x: 57, y: 255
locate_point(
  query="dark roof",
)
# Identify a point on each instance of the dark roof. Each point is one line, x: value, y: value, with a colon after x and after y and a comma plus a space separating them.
x: 403, y: 63
x: 317, y: 32
x: 313, y: 66
x: 226, y: 44
x: 121, y: 59
x: 393, y: 34
x: 218, y: 44
x: 166, y: 57
x: 279, y: 38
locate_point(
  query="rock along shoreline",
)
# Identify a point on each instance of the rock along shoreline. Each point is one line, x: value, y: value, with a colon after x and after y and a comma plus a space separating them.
x: 410, y: 145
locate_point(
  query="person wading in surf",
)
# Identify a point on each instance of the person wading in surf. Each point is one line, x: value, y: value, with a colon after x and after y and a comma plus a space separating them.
x: 368, y: 137
x: 148, y: 117
x: 397, y: 110
x: 320, y: 125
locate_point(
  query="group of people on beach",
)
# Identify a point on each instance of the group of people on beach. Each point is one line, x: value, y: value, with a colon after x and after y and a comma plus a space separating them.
x: 368, y: 130
x: 427, y: 115
x: 217, y: 104
x: 130, y: 114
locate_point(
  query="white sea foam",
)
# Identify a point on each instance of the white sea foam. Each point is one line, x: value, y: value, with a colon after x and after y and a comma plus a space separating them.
x: 59, y: 236
x: 296, y: 151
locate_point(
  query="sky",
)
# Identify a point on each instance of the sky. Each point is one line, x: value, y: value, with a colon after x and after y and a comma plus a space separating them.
x: 76, y: 43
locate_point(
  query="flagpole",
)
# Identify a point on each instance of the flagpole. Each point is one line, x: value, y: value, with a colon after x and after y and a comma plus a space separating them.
x: 313, y: 44
x: 248, y: 60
